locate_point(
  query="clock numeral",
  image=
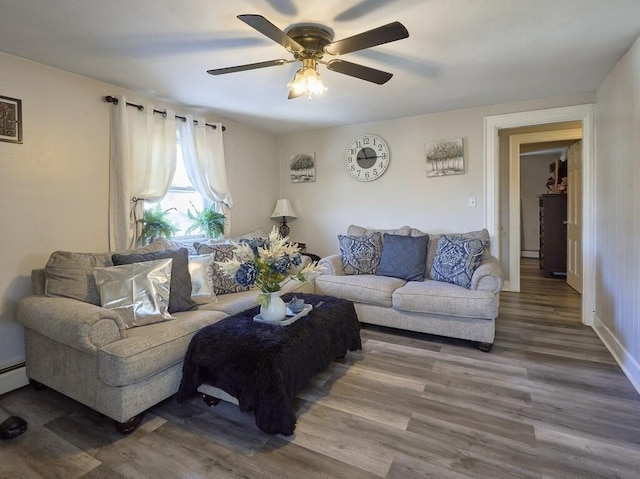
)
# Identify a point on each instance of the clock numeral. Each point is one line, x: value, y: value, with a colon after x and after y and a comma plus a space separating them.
x: 359, y: 171
x: 353, y: 167
x: 375, y: 172
x: 358, y: 144
x: 352, y: 151
x: 383, y: 156
x: 366, y: 175
x: 366, y: 140
x: 349, y: 159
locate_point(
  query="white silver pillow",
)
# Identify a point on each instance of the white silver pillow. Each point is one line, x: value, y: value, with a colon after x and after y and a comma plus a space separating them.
x: 138, y: 292
x: 201, y: 270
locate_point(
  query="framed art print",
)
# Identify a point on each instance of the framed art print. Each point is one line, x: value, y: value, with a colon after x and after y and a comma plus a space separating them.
x: 303, y: 167
x: 445, y: 157
x: 10, y: 119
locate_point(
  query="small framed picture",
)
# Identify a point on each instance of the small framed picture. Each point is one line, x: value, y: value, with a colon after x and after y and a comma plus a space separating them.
x: 303, y: 167
x: 445, y: 157
x: 10, y: 119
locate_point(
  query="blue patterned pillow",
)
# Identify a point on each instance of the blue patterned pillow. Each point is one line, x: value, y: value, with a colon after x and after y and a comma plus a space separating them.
x: 222, y: 284
x: 404, y: 257
x: 456, y: 259
x: 360, y: 254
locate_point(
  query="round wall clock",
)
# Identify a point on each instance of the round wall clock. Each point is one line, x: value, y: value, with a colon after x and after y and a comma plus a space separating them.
x: 367, y: 158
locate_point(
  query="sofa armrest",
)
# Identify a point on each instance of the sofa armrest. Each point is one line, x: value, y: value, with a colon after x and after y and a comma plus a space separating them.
x: 332, y: 265
x: 83, y: 326
x: 488, y: 276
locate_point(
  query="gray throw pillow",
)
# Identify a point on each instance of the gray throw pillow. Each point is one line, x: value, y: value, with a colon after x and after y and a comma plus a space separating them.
x: 70, y: 274
x: 456, y: 259
x: 403, y: 257
x: 180, y: 297
x: 360, y: 254
x: 222, y: 284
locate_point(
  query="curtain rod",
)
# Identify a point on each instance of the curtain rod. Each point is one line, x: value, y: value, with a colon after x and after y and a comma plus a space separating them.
x: 114, y: 100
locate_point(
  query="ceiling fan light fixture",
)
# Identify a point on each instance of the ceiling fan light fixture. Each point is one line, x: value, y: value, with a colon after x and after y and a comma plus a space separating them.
x: 307, y: 79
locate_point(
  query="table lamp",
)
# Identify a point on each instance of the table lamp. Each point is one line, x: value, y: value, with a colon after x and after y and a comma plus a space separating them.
x: 283, y: 210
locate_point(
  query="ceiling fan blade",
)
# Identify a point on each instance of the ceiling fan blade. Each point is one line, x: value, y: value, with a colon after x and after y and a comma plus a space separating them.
x: 359, y: 71
x: 268, y: 29
x: 384, y: 34
x: 249, y: 66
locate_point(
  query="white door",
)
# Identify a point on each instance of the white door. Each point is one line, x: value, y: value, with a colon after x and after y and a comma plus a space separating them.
x: 574, y: 217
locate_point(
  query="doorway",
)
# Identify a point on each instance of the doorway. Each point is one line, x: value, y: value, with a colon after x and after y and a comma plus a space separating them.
x: 516, y: 141
x: 500, y: 245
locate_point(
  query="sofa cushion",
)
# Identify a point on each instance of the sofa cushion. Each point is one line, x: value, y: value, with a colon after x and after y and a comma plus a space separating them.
x: 366, y: 288
x: 70, y: 274
x: 354, y: 230
x: 201, y: 271
x: 152, y: 349
x: 222, y: 284
x: 138, y: 292
x: 456, y: 259
x: 180, y: 297
x: 403, y: 257
x: 360, y: 254
x: 435, y: 297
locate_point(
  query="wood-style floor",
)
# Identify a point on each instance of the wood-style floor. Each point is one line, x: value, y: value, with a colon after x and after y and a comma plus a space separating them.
x: 548, y: 402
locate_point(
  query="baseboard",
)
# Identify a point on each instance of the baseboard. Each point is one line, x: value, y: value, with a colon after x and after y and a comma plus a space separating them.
x: 629, y: 365
x: 13, y: 378
x: 530, y: 254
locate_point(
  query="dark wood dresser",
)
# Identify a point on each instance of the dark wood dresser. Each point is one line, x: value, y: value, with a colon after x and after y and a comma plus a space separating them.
x: 553, y: 234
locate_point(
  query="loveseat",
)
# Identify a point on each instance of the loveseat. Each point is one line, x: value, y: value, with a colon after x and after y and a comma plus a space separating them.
x: 89, y: 353
x: 390, y: 277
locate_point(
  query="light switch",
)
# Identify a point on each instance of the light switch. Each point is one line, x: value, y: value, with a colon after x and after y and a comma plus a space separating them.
x: 471, y: 202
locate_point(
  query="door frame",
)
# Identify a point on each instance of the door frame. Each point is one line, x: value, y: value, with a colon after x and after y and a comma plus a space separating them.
x: 514, y: 192
x: 583, y: 113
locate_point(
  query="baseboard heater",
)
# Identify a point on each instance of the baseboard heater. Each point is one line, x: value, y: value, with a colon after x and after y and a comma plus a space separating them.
x: 13, y: 377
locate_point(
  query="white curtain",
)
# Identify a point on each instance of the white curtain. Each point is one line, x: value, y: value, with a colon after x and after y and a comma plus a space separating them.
x: 203, y: 154
x: 142, y: 162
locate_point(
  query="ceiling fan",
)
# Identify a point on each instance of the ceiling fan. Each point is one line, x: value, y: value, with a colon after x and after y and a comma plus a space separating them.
x: 309, y: 43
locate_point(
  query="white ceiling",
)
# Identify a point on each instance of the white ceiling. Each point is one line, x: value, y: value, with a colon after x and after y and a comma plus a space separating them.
x: 460, y: 53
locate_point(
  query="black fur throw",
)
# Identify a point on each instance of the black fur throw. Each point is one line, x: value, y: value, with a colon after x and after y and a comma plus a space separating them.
x: 264, y: 366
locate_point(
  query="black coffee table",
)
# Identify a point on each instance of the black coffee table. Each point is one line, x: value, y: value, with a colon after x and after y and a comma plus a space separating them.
x: 264, y: 366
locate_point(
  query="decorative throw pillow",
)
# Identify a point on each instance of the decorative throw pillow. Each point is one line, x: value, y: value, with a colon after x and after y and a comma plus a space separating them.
x: 70, y: 274
x: 180, y: 299
x: 201, y: 271
x: 456, y: 259
x: 138, y: 292
x: 360, y: 254
x: 222, y: 284
x: 403, y: 257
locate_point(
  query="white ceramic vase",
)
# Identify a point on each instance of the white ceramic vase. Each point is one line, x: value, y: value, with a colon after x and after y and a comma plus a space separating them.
x: 275, y: 310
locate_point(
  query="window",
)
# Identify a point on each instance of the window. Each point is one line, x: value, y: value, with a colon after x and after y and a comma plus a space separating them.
x: 181, y: 197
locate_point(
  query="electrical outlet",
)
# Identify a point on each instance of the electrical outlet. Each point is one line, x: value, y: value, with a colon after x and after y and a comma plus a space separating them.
x: 472, y: 202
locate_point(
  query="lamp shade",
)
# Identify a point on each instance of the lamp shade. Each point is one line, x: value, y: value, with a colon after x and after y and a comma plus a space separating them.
x: 283, y: 209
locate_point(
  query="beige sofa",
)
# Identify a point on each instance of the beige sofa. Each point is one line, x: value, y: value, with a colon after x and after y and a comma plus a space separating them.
x: 84, y: 351
x: 428, y: 306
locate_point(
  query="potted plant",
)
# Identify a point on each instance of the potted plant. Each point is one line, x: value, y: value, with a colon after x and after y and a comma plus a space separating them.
x: 156, y: 225
x: 209, y: 221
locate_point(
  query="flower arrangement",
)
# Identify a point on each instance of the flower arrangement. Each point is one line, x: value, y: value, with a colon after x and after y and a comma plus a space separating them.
x: 266, y: 264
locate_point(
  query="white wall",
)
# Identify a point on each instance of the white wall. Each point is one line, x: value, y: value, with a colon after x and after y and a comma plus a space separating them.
x: 54, y: 186
x: 618, y: 212
x: 403, y: 195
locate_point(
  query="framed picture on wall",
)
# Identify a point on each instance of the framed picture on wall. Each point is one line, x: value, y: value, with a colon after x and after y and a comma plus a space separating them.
x: 10, y: 119
x: 445, y: 157
x: 303, y: 167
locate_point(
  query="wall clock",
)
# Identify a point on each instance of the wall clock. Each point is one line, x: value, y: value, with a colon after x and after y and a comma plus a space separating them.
x: 367, y: 158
